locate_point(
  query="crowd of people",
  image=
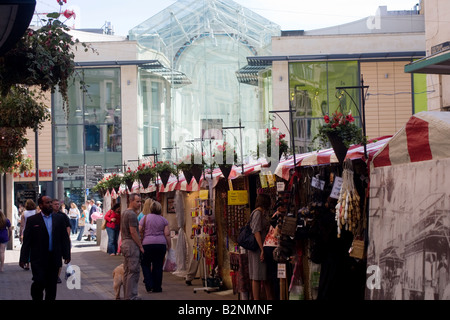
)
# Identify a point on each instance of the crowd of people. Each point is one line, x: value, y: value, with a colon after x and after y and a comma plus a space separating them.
x: 141, y: 234
x: 46, y: 231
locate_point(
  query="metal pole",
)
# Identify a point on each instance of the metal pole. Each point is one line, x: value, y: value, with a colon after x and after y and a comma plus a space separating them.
x: 36, y: 163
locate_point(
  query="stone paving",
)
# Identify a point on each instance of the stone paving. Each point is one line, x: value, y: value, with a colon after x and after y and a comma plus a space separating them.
x: 96, y: 281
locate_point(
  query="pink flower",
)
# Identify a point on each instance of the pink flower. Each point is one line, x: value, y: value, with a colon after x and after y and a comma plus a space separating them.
x: 69, y: 14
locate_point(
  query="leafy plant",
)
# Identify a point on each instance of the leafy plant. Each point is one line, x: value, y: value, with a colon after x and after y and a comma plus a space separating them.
x: 341, y: 125
x: 146, y: 168
x: 224, y: 149
x: 129, y: 175
x: 190, y: 160
x: 43, y: 59
x: 161, y: 166
x: 282, y: 143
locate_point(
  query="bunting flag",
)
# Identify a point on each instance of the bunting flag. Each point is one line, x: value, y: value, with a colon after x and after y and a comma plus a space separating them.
x: 327, y: 156
x: 424, y: 137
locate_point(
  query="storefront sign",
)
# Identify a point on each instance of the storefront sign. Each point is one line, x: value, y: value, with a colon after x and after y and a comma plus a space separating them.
x: 203, y: 194
x: 30, y: 174
x: 316, y: 183
x: 336, y: 188
x: 237, y: 197
x: 281, y: 271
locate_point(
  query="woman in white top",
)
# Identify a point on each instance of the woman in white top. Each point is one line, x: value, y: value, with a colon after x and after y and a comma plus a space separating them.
x: 30, y: 209
x: 74, y: 215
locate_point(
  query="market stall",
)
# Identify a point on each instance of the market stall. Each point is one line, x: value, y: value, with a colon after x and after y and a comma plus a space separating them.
x: 409, y: 228
x: 329, y: 203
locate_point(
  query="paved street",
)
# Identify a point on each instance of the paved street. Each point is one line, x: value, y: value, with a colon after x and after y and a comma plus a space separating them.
x: 96, y: 279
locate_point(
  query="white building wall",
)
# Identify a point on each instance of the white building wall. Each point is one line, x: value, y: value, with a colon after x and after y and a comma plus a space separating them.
x: 437, y: 31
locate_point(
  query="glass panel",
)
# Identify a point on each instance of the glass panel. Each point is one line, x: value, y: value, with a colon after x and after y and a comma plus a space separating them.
x: 420, y: 92
x: 155, y: 108
x: 94, y: 135
x: 313, y: 94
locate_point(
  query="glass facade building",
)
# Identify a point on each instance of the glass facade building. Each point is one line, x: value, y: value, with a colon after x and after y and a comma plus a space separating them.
x: 89, y: 132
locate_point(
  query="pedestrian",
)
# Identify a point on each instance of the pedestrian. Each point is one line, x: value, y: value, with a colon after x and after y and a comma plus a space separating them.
x: 74, y: 215
x: 82, y: 221
x: 30, y: 210
x: 92, y: 209
x: 112, y: 218
x: 146, y: 208
x: 156, y: 242
x: 5, y: 235
x: 259, y: 223
x: 131, y: 247
x: 57, y: 208
x: 46, y: 242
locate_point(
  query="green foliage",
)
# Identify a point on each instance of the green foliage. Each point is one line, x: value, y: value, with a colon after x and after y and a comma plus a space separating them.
x: 342, y: 126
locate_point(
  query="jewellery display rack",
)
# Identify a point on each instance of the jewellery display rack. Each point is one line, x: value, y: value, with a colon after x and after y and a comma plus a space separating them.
x: 205, y: 240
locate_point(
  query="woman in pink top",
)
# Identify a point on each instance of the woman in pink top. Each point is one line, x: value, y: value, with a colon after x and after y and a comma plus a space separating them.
x: 156, y: 241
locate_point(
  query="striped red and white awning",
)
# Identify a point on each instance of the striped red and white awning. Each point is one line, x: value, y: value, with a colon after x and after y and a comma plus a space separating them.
x: 425, y: 136
x: 180, y: 183
x: 327, y: 156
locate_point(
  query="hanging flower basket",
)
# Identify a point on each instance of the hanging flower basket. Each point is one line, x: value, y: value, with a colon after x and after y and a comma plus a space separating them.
x: 226, y: 169
x: 128, y: 178
x: 129, y: 183
x: 145, y: 179
x: 164, y: 169
x: 197, y: 171
x: 164, y: 175
x: 340, y: 131
x: 188, y: 176
x: 338, y: 146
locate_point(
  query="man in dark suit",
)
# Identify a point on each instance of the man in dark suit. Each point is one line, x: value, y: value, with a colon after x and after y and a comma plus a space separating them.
x: 45, y: 242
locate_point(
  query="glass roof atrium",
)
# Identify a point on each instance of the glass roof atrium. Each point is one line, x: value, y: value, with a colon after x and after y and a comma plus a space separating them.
x: 205, y: 43
x: 179, y: 25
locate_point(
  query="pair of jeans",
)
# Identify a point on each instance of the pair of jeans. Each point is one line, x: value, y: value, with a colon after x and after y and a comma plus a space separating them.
x: 152, y: 266
x: 74, y: 225
x: 81, y: 229
x: 113, y: 239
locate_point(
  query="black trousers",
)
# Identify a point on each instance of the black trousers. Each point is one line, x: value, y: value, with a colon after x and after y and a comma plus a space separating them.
x: 46, y: 281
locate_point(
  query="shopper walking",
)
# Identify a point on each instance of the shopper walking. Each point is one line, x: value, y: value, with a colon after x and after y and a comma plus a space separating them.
x: 259, y: 223
x: 46, y: 242
x: 5, y: 235
x: 30, y: 210
x: 146, y: 208
x: 74, y: 215
x: 156, y: 241
x: 131, y: 247
x: 82, y: 222
x: 112, y: 218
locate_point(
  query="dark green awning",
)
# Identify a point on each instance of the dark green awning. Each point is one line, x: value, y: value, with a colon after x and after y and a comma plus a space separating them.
x: 437, y: 64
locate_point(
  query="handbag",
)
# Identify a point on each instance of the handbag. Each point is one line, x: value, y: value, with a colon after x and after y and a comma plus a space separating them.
x: 104, y: 224
x: 246, y: 238
x: 142, y: 231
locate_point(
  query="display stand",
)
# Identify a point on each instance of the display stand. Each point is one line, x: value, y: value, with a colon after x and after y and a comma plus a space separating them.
x: 204, y: 231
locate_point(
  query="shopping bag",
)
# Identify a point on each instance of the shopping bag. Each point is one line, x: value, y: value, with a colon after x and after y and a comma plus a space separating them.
x: 170, y: 264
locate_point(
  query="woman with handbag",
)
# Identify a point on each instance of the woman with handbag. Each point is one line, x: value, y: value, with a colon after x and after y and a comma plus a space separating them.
x: 112, y: 218
x: 259, y: 222
x: 156, y: 241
